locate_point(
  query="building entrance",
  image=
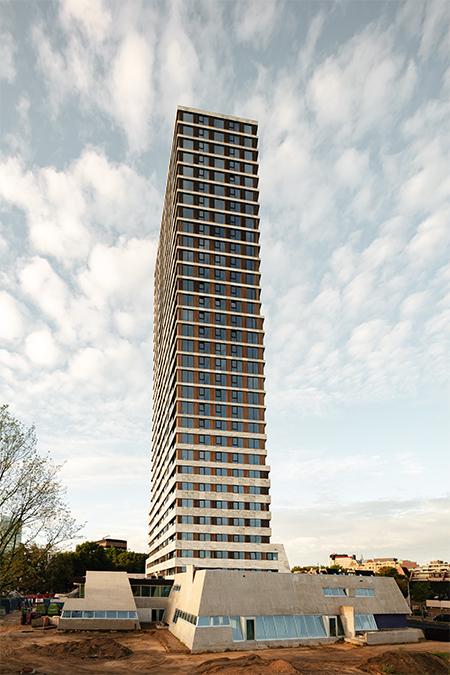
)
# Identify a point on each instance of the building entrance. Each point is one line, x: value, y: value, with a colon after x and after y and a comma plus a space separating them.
x: 249, y: 629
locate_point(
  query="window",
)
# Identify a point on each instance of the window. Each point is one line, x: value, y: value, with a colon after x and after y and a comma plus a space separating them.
x: 334, y: 592
x: 282, y: 627
x: 365, y: 622
x: 186, y: 469
x: 364, y: 592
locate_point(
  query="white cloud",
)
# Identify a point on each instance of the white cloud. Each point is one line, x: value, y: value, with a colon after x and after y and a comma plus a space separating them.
x: 255, y: 21
x: 45, y: 287
x: 123, y: 270
x: 63, y: 206
x: 131, y: 88
x: 436, y: 28
x: 351, y: 167
x: 7, y: 53
x: 404, y: 529
x: 365, y: 82
x: 431, y: 239
x: 12, y: 320
x: 93, y: 16
x: 106, y: 60
x: 41, y: 348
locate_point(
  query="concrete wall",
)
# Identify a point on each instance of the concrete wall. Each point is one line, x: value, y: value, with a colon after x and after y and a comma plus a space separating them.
x: 98, y: 624
x: 218, y: 592
x: 259, y: 593
x: 394, y: 637
x: 103, y: 591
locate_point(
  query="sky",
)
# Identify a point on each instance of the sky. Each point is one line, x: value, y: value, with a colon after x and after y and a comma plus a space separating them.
x: 353, y: 105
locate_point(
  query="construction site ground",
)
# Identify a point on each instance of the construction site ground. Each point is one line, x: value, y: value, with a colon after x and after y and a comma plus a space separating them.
x: 26, y: 650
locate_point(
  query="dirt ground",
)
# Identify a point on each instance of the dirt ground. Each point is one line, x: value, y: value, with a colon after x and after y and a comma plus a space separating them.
x: 23, y: 649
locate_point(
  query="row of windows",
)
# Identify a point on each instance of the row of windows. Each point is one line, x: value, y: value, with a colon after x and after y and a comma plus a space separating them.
x: 222, y: 425
x: 221, y: 504
x: 216, y: 162
x: 143, y: 591
x: 223, y: 521
x: 98, y: 614
x: 229, y: 555
x: 213, y: 230
x: 179, y: 614
x: 219, y: 536
x: 214, y: 259
x: 216, y: 378
x: 221, y: 246
x: 216, y: 122
x: 231, y: 305
x: 218, y: 190
x: 221, y: 348
x: 339, y: 592
x: 226, y: 441
x: 222, y: 487
x: 208, y: 363
x: 219, y: 410
x: 226, y: 334
x: 217, y: 274
x: 216, y: 217
x: 218, y: 136
x: 227, y: 457
x: 200, y: 145
x: 272, y: 627
x: 221, y: 379
x: 201, y: 172
x: 220, y: 471
x: 190, y: 286
x: 198, y: 199
x: 208, y: 394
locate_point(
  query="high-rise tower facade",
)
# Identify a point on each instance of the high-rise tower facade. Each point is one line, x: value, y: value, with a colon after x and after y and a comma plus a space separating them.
x: 210, y: 501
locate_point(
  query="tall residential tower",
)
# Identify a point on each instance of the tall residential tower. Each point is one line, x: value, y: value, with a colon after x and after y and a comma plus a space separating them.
x: 210, y: 502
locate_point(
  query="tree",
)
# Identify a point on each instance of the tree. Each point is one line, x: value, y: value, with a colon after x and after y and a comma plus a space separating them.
x: 401, y: 579
x: 32, y: 506
x: 421, y: 591
x: 128, y: 561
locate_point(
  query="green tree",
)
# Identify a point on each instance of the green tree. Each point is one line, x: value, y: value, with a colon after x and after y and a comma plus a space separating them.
x: 421, y: 591
x: 34, y: 515
x: 401, y: 579
x: 90, y: 556
x: 127, y: 561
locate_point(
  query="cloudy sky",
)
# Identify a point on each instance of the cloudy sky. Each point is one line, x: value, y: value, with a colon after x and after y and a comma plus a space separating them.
x: 353, y: 103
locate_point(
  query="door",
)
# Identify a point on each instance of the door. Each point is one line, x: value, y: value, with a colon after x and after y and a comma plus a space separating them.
x: 250, y: 629
x: 333, y: 626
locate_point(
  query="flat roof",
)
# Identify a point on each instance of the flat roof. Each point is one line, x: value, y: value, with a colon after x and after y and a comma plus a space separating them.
x: 217, y: 114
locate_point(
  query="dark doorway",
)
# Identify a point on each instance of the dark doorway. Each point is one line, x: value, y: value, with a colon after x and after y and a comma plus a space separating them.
x: 333, y: 626
x: 250, y: 629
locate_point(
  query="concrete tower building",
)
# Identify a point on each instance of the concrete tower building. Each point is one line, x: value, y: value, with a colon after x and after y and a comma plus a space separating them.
x: 210, y: 502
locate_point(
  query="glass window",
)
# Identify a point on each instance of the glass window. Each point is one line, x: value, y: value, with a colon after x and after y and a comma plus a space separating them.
x: 365, y: 622
x: 364, y: 592
x: 334, y: 592
x: 235, y: 623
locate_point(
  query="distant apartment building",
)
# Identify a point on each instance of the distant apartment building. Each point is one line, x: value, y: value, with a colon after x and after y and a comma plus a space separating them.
x: 343, y: 560
x: 435, y: 570
x: 210, y: 503
x: 349, y: 562
x: 107, y: 542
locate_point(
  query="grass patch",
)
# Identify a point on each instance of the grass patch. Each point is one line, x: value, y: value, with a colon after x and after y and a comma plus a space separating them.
x: 443, y: 655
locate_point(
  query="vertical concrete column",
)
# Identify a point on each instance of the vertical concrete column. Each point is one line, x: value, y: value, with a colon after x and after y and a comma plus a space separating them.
x: 347, y: 614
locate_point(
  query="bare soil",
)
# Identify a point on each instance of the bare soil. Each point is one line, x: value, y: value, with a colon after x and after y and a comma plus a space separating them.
x: 404, y: 663
x: 158, y: 652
